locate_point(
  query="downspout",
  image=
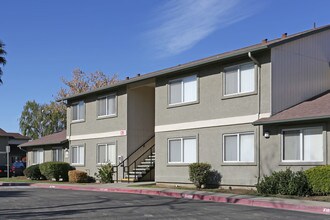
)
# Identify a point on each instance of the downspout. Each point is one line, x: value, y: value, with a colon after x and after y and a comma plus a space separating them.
x: 259, y: 101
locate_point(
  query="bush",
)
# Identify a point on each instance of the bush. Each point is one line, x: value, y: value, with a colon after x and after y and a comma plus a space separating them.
x: 77, y: 176
x: 199, y: 173
x: 105, y: 173
x: 285, y: 183
x: 319, y: 179
x: 55, y: 170
x: 33, y: 172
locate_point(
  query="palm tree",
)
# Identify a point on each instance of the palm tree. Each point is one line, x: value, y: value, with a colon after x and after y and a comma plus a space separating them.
x: 2, y: 58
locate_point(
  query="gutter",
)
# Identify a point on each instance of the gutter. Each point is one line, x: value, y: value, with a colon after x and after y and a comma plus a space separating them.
x: 291, y: 120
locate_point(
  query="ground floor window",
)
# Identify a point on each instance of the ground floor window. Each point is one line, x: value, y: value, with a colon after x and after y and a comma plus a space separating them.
x: 78, y: 155
x: 37, y: 156
x: 58, y: 154
x: 106, y: 153
x: 182, y: 150
x: 238, y: 147
x: 304, y: 144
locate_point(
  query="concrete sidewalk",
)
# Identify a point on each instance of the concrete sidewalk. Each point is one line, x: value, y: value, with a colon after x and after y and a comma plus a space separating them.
x: 137, y: 188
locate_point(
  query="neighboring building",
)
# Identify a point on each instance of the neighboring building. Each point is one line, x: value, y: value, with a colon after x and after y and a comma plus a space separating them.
x: 211, y: 110
x: 12, y: 140
x: 52, y: 147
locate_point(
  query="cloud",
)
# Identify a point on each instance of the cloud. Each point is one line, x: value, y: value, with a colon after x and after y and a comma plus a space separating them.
x: 181, y: 24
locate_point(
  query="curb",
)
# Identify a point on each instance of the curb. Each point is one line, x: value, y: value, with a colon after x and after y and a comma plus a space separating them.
x: 212, y: 198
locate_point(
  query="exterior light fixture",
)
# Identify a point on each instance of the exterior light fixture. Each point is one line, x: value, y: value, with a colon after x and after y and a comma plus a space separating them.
x: 266, y: 134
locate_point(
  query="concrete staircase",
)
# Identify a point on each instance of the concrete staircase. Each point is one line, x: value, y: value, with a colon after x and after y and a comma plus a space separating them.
x: 141, y: 169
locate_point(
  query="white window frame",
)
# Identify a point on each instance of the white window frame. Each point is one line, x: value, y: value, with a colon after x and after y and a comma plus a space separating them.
x: 55, y: 149
x: 182, y: 90
x: 38, y: 150
x: 106, y: 106
x: 79, y: 118
x: 301, y: 137
x: 238, y: 147
x: 106, y: 153
x: 238, y: 67
x: 78, y: 156
x: 182, y: 147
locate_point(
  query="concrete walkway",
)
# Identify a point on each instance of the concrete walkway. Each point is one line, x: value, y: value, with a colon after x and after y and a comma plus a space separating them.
x: 137, y: 188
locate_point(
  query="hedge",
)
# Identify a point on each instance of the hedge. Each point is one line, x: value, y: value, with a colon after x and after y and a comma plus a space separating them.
x: 55, y: 170
x: 319, y: 179
x: 33, y: 172
x: 199, y: 173
x: 285, y: 182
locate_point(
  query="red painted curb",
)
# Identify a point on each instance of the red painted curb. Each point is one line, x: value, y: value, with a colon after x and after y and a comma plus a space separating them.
x: 213, y: 198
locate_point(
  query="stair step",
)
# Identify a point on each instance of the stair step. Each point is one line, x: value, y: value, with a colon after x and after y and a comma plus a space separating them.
x: 149, y: 159
x: 132, y: 176
x: 130, y: 180
x: 140, y: 169
x: 137, y: 173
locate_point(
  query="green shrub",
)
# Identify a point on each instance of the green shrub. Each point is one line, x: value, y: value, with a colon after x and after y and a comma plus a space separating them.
x: 105, y: 173
x: 285, y: 183
x: 55, y: 170
x: 319, y: 179
x: 199, y: 173
x: 33, y: 172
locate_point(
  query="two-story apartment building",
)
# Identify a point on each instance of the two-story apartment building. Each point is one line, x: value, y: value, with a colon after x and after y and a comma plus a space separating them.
x: 240, y: 111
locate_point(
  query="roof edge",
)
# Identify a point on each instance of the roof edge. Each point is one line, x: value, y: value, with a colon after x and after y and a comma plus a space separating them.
x: 289, y: 120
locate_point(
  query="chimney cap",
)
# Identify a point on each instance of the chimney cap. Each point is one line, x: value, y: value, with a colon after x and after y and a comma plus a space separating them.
x: 264, y: 41
x: 284, y: 35
x: 127, y: 77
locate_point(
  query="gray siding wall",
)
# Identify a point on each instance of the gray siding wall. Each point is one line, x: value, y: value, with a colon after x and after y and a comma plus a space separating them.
x: 300, y: 70
x: 211, y: 104
x: 92, y: 123
x: 141, y: 116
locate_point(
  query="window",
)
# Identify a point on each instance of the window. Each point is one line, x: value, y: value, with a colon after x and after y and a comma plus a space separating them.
x: 239, y: 147
x: 78, y: 155
x: 107, y: 106
x: 239, y: 79
x: 182, y: 150
x: 78, y: 111
x: 38, y: 156
x: 302, y: 145
x: 57, y: 154
x: 106, y: 153
x: 183, y: 90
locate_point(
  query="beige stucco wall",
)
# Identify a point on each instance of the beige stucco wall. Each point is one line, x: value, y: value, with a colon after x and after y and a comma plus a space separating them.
x: 92, y: 124
x: 90, y: 165
x: 209, y: 150
x: 211, y: 105
x: 48, y: 154
x: 141, y: 115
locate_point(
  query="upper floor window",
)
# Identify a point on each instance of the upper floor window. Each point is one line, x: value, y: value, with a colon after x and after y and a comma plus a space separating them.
x: 183, y: 90
x: 107, y: 105
x: 78, y: 111
x: 302, y: 145
x: 239, y: 79
x: 238, y: 147
x: 182, y: 150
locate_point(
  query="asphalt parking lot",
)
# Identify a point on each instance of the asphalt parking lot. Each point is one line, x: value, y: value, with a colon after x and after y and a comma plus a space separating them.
x: 32, y: 203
